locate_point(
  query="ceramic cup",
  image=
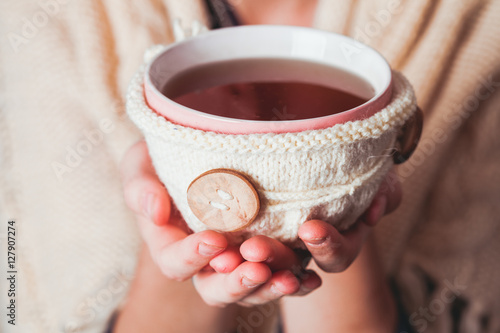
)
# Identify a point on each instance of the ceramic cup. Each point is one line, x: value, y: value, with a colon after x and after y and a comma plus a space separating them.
x: 246, y: 177
x: 282, y: 42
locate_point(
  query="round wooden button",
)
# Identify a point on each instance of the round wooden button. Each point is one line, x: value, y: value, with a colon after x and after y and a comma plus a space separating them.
x: 410, y: 136
x: 223, y: 199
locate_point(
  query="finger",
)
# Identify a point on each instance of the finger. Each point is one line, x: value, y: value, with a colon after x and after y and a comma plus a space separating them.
x: 310, y: 282
x: 143, y: 191
x: 385, y: 201
x: 333, y: 251
x: 283, y: 283
x: 179, y: 255
x: 183, y: 259
x: 376, y: 210
x: 227, y: 261
x: 280, y: 284
x: 391, y: 188
x: 274, y: 253
x: 222, y: 289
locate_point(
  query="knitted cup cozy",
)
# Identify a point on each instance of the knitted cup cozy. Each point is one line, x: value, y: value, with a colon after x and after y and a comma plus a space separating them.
x: 330, y: 174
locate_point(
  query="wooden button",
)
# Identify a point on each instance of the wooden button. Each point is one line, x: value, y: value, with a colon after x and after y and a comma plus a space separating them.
x: 410, y: 136
x: 223, y: 199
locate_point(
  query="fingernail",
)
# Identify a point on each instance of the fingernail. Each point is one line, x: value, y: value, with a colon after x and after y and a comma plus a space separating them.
x: 149, y: 205
x: 316, y: 241
x: 209, y: 250
x: 249, y: 283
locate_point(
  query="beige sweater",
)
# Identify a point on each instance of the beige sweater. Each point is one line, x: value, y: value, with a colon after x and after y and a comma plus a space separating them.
x: 65, y: 66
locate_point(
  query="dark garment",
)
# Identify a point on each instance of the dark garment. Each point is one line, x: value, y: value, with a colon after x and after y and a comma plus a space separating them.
x: 221, y: 13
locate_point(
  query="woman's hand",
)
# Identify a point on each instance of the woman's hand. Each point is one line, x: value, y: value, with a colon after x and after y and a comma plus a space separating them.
x: 178, y: 254
x: 220, y: 273
x: 334, y: 251
x: 270, y: 271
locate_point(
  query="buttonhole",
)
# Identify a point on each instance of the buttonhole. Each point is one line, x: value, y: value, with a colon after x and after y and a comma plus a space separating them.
x: 218, y: 205
x: 225, y: 195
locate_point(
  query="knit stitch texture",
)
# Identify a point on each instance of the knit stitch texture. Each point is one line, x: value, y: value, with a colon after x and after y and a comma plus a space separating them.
x: 330, y: 174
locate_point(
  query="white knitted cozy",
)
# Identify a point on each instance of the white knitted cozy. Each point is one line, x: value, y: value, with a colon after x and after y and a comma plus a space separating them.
x: 330, y: 174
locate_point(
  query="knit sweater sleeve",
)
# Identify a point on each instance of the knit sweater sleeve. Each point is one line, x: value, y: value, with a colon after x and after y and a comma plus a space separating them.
x: 441, y: 239
x: 64, y: 69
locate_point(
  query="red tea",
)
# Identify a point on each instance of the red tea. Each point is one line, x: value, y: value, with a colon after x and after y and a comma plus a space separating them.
x: 268, y: 89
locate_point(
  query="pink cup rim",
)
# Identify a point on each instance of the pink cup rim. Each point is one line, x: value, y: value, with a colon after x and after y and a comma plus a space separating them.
x: 188, y: 117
